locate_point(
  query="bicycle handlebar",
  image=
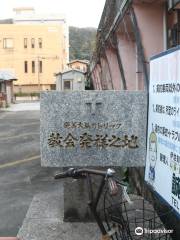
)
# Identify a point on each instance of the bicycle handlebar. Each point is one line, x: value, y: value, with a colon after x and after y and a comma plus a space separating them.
x: 65, y: 174
x: 82, y: 173
x: 60, y: 175
x: 75, y: 173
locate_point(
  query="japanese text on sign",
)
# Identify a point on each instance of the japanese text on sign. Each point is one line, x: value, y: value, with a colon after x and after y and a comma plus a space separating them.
x: 87, y: 141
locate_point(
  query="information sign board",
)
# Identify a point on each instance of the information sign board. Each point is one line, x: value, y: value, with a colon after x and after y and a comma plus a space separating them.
x: 163, y: 143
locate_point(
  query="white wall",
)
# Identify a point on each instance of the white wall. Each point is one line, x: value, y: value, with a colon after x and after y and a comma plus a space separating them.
x: 77, y: 81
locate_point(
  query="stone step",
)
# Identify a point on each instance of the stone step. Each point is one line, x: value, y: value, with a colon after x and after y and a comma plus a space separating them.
x: 44, y: 221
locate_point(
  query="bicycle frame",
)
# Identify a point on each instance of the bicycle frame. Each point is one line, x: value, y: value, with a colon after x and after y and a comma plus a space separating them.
x: 93, y: 201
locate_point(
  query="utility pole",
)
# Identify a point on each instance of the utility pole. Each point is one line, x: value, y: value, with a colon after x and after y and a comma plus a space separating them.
x: 39, y: 82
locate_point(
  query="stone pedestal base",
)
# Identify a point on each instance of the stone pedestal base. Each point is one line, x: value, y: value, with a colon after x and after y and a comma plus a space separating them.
x: 44, y: 220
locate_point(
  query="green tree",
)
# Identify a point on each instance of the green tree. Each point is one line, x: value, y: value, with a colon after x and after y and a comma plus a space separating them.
x: 82, y: 42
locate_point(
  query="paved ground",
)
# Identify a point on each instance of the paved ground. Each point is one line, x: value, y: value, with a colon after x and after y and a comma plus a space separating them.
x: 31, y: 106
x: 21, y: 176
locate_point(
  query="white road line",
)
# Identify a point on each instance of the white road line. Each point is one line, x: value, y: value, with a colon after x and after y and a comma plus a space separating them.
x: 11, y: 164
x: 17, y: 136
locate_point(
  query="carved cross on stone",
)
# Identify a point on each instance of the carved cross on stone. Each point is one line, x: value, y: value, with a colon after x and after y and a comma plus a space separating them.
x: 94, y: 106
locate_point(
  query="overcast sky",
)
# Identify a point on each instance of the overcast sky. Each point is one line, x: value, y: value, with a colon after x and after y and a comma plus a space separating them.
x: 80, y: 13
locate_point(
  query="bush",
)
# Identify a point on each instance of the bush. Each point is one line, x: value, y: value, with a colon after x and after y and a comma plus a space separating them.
x: 35, y: 94
x: 32, y: 94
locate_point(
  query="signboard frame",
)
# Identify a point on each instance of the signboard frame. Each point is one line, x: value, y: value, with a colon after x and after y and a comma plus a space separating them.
x: 162, y: 198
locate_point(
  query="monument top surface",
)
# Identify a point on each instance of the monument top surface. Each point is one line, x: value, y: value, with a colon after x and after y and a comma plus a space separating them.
x: 93, y: 128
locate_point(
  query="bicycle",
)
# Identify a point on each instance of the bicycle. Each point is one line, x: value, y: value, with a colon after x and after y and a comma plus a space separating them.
x: 120, y: 217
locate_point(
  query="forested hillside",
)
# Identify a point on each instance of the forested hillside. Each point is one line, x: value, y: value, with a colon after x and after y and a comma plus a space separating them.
x: 82, y: 42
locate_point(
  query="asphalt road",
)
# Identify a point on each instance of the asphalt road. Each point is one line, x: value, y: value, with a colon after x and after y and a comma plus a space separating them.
x: 21, y: 175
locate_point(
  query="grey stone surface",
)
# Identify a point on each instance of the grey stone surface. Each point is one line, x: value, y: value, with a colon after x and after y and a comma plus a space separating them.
x: 109, y: 114
x: 47, y: 205
x: 44, y: 221
x: 49, y: 229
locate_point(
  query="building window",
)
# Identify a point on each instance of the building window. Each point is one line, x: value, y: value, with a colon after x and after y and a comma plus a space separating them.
x: 8, y: 43
x: 33, y: 66
x: 53, y: 86
x: 2, y: 87
x: 26, y: 67
x: 40, y: 66
x: 174, y: 32
x: 25, y: 42
x: 40, y: 42
x: 32, y: 43
x: 67, y: 85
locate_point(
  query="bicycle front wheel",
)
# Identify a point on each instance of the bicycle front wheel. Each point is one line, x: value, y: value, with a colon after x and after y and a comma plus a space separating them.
x: 124, y: 218
x: 116, y: 225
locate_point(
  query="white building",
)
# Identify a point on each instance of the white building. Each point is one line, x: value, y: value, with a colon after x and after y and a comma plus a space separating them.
x: 71, y: 79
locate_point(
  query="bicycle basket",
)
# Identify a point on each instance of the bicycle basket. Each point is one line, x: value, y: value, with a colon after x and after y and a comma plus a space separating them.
x: 136, y: 220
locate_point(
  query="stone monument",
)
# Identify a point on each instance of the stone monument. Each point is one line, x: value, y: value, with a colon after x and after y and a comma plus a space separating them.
x: 92, y: 128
